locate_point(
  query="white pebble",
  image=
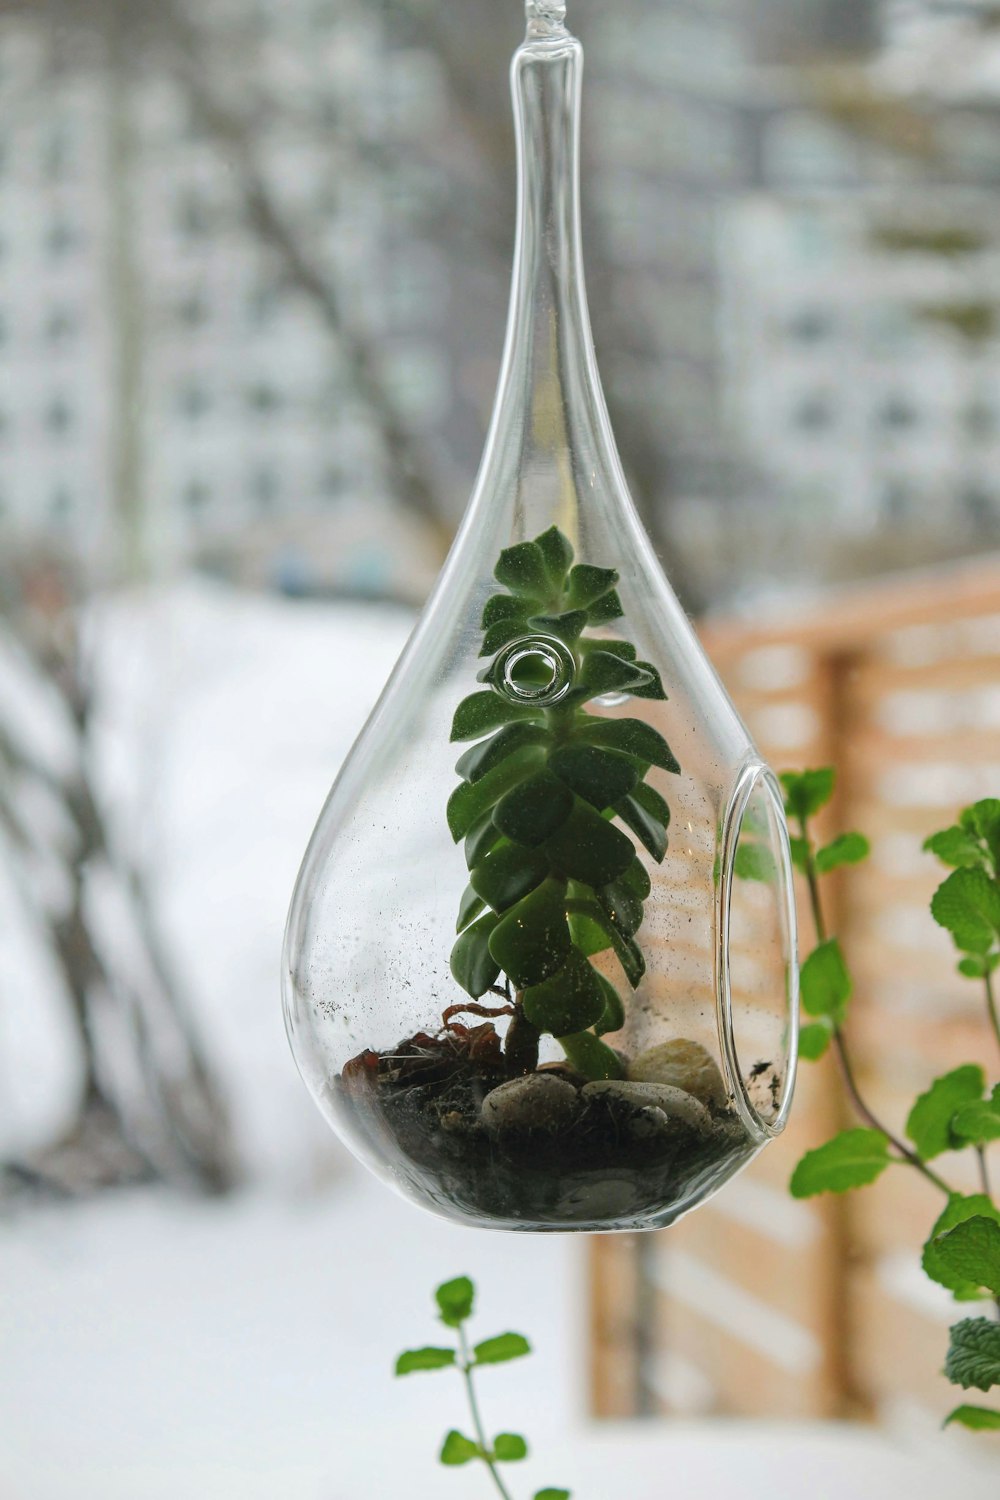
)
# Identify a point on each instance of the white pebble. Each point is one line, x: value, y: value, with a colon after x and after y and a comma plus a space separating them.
x: 684, y: 1065
x: 675, y: 1103
x: 538, y: 1101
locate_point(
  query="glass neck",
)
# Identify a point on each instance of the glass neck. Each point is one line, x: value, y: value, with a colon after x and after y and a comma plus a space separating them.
x: 549, y: 403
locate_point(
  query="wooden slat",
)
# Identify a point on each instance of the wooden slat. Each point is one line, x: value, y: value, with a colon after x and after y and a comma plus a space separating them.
x: 898, y: 685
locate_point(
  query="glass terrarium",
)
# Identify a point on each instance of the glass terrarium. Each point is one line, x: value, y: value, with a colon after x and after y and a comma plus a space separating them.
x: 539, y: 968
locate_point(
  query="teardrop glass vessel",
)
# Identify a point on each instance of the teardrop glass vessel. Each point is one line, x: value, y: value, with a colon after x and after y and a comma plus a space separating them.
x: 539, y: 969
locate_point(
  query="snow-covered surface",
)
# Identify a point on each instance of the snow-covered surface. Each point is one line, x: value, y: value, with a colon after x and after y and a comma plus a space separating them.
x: 157, y: 1348
x: 160, y: 1350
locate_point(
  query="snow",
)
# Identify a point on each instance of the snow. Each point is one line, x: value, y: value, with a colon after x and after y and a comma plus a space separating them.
x: 156, y: 1347
x: 162, y: 1349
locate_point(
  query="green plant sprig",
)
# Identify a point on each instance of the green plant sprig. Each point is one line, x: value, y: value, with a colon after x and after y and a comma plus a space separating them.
x: 955, y: 1113
x: 455, y: 1300
x: 552, y: 880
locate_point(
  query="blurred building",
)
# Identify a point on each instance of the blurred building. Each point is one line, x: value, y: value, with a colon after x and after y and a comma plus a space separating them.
x: 170, y: 393
x: 242, y: 296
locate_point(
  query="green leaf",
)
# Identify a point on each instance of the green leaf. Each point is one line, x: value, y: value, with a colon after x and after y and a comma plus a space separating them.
x: 522, y: 570
x: 457, y: 1449
x: 551, y: 1494
x: 472, y: 964
x: 481, y: 712
x: 532, y: 811
x: 957, y: 847
x: 807, y: 791
x: 613, y: 1015
x: 602, y: 673
x: 825, y: 983
x: 814, y: 1040
x: 978, y: 965
x: 566, y: 626
x: 600, y: 777
x: 983, y: 818
x: 800, y: 854
x: 587, y: 847
x: 974, y: 1354
x: 531, y: 941
x: 471, y: 799
x: 624, y: 650
x: 650, y: 832
x: 958, y: 1210
x: 649, y: 799
x: 568, y: 1001
x: 631, y: 737
x: 502, y: 607
x: 852, y: 1159
x: 978, y: 1418
x: 470, y: 906
x: 557, y: 555
x: 636, y: 879
x: 592, y: 1057
x: 754, y: 862
x: 848, y: 849
x: 424, y: 1359
x: 623, y: 909
x: 605, y: 609
x: 971, y: 1252
x: 500, y: 635
x: 968, y: 905
x: 483, y: 836
x: 979, y: 1123
x: 509, y: 1447
x: 507, y: 874
x: 928, y: 1125
x: 654, y: 687
x: 479, y: 759
x: 587, y: 584
x: 497, y: 1351
x: 455, y: 1300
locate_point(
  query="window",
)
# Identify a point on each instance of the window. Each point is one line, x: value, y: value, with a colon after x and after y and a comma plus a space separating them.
x: 196, y: 495
x: 263, y: 399
x: 810, y: 325
x: 898, y: 414
x: 61, y: 324
x: 58, y: 417
x: 194, y: 400
x: 813, y: 414
x: 264, y: 487
x: 60, y: 238
x: 980, y: 420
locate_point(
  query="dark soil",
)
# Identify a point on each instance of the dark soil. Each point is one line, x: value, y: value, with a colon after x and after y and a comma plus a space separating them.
x: 418, y: 1110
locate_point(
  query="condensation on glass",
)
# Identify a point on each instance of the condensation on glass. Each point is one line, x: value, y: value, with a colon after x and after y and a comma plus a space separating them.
x: 495, y: 1095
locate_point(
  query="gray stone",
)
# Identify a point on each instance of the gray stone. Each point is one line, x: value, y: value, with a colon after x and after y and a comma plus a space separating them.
x: 540, y: 1101
x: 673, y: 1103
x: 684, y: 1065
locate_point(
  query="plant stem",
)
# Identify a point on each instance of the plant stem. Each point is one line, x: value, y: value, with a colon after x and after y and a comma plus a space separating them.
x: 991, y: 1006
x: 984, y: 1171
x: 840, y: 1041
x: 477, y: 1421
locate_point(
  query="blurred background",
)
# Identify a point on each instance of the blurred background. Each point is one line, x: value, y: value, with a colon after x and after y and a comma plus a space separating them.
x: 254, y: 262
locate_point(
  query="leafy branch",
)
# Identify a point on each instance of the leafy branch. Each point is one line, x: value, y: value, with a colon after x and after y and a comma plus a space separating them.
x: 553, y: 881
x: 955, y: 1113
x: 455, y: 1300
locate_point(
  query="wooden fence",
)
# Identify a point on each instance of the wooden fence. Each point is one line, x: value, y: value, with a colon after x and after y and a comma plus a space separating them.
x: 757, y: 1304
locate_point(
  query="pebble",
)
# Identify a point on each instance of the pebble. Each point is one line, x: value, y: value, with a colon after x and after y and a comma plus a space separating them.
x: 684, y: 1065
x: 673, y: 1103
x: 539, y: 1101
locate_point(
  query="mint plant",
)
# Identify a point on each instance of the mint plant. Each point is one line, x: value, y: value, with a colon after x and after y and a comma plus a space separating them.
x: 959, y: 1111
x: 455, y: 1300
x: 552, y: 880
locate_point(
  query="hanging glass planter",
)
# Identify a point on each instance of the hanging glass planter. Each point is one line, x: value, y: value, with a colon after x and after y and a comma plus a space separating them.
x: 539, y: 967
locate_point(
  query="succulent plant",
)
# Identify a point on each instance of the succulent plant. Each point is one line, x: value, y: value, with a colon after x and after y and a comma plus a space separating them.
x: 554, y: 877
